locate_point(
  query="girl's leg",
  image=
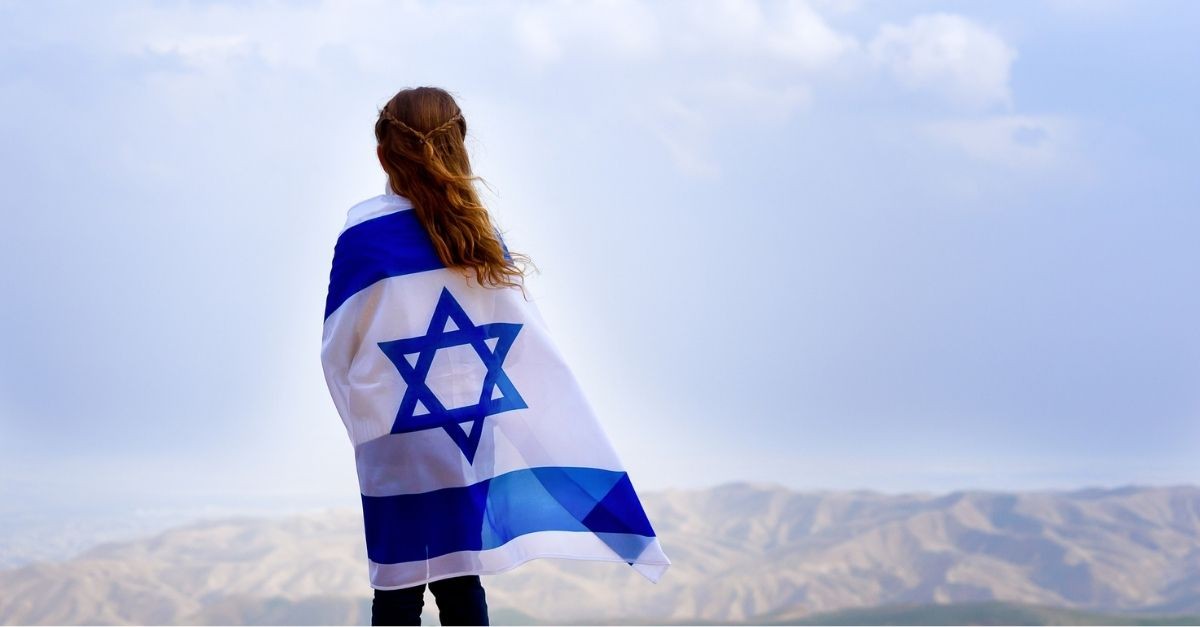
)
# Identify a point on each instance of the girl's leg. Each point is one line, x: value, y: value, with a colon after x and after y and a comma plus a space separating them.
x: 398, y: 607
x: 460, y: 600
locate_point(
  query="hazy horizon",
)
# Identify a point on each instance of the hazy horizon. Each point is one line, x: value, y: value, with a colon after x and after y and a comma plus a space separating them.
x: 739, y: 556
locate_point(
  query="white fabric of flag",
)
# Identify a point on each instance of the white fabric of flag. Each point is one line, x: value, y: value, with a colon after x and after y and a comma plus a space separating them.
x: 475, y: 447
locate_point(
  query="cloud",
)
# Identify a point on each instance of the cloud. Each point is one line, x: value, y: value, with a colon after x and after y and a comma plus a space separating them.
x: 1015, y: 141
x: 375, y: 35
x: 949, y: 54
x: 761, y: 61
x: 623, y: 28
x: 743, y: 47
x: 799, y: 34
x: 792, y: 32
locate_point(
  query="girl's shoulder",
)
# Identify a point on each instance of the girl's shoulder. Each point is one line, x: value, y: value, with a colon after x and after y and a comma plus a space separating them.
x: 375, y: 207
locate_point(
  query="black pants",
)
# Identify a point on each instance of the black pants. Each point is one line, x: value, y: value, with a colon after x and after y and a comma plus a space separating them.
x: 460, y: 601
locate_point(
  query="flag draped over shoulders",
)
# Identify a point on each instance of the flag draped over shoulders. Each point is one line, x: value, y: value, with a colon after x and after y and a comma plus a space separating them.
x: 475, y: 447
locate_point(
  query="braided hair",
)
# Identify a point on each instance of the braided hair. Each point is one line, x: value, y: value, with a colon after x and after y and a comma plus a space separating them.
x: 431, y: 168
x: 422, y: 137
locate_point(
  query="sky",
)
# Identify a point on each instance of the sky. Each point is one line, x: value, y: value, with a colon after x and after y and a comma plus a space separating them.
x: 901, y: 246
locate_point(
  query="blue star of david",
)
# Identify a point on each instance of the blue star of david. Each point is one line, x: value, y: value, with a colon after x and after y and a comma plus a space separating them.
x: 426, y: 346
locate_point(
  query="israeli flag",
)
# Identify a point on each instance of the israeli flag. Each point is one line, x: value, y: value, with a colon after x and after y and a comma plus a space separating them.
x: 476, y: 448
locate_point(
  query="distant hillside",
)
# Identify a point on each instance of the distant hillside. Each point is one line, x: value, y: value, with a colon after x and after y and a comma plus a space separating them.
x: 980, y: 613
x: 342, y: 610
x: 741, y: 553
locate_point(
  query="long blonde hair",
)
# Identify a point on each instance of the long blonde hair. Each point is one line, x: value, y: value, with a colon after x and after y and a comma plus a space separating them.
x: 421, y: 134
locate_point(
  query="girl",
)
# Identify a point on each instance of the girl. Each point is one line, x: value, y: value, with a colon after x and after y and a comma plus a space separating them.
x: 475, y: 448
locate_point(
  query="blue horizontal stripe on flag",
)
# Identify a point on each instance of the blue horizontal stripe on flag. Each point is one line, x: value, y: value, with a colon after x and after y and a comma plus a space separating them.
x: 390, y: 245
x: 488, y: 514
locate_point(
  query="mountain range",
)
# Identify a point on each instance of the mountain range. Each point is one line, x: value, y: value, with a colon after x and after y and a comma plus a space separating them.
x: 741, y: 553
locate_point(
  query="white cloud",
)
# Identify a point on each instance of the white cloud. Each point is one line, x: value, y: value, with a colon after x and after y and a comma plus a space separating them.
x: 207, y: 37
x: 736, y: 62
x: 1015, y: 141
x: 753, y: 61
x: 202, y: 50
x: 623, y: 28
x: 802, y: 36
x: 792, y: 32
x: 375, y: 34
x: 950, y: 54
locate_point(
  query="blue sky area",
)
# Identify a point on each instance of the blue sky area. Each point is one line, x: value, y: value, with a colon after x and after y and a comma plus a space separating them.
x: 898, y: 246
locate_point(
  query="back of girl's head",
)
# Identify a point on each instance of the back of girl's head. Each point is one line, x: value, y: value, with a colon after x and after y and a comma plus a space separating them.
x: 421, y: 134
